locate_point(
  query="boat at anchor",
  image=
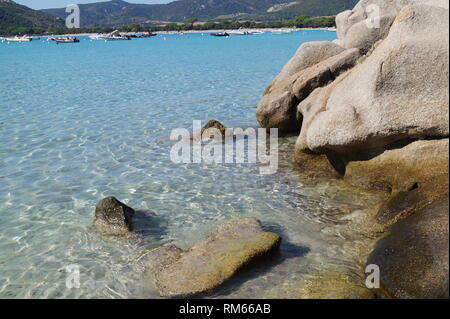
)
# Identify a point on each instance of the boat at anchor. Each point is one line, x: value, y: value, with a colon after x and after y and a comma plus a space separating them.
x: 220, y: 34
x: 19, y: 39
x: 113, y: 36
x: 65, y: 40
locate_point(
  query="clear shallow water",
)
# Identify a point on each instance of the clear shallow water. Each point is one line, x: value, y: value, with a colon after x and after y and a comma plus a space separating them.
x: 84, y: 121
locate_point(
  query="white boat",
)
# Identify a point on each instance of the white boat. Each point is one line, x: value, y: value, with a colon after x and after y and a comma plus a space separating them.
x: 257, y: 32
x: 239, y: 32
x: 19, y: 39
x: 105, y: 37
x: 65, y: 40
x: 113, y: 36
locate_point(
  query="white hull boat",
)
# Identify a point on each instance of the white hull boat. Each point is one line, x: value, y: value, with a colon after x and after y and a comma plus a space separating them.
x: 257, y: 32
x: 113, y: 36
x: 239, y: 33
x: 19, y: 39
x: 65, y: 40
x: 100, y: 37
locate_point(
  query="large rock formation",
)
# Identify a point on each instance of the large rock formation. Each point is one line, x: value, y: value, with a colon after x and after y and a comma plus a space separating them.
x: 382, y: 123
x: 308, y: 55
x: 277, y: 108
x: 370, y: 21
x: 369, y: 10
x: 400, y: 91
x: 113, y: 217
x: 211, y: 261
x: 363, y: 35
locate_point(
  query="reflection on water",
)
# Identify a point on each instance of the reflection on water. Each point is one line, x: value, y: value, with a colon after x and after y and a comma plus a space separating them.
x: 79, y: 123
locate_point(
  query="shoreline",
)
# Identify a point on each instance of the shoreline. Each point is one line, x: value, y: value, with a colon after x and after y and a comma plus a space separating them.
x: 187, y: 32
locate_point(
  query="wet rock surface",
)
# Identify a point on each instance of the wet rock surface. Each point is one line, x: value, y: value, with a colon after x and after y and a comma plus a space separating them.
x: 211, y: 261
x: 413, y: 258
x: 382, y: 124
x: 211, y: 126
x: 113, y: 217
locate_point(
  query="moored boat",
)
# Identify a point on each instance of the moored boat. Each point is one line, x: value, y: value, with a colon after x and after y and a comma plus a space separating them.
x: 19, y: 39
x: 256, y: 32
x: 239, y: 32
x: 220, y: 34
x: 113, y: 36
x: 65, y: 40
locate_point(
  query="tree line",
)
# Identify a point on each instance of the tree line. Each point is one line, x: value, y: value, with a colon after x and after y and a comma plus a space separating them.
x: 189, y: 25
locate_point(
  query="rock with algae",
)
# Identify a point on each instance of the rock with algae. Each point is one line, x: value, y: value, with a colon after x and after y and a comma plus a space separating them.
x: 325, y: 284
x: 211, y: 261
x: 413, y: 257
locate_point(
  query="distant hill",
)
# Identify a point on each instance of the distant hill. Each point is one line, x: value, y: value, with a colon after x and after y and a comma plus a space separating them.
x: 118, y: 12
x: 13, y: 15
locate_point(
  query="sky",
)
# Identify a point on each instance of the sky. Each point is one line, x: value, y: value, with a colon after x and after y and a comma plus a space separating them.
x: 46, y: 4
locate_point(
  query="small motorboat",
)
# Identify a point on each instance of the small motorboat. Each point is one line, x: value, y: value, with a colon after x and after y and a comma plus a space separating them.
x: 65, y: 40
x: 145, y: 35
x: 101, y: 37
x: 256, y: 32
x: 220, y: 34
x: 113, y: 36
x: 19, y: 39
x: 240, y: 32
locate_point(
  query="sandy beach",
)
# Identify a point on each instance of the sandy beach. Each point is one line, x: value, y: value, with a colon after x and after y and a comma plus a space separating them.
x: 194, y: 31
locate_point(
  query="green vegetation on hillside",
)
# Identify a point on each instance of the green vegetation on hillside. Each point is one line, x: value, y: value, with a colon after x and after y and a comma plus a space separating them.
x: 15, y: 18
x: 117, y: 12
x: 299, y: 22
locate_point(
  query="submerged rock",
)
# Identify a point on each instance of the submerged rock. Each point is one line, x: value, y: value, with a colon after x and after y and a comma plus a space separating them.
x: 213, y: 124
x: 113, y: 217
x: 211, y: 261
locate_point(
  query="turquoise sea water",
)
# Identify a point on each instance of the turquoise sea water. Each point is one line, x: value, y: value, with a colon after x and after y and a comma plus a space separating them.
x: 79, y: 122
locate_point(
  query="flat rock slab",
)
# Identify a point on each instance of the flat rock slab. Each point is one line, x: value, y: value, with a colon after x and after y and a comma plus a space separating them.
x: 211, y: 261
